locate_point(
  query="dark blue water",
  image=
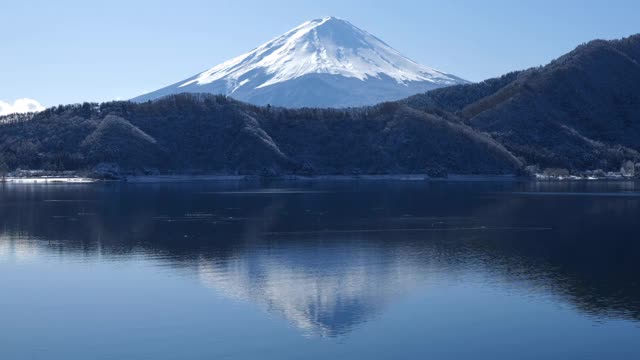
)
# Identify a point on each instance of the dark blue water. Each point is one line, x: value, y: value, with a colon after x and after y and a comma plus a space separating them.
x: 342, y: 270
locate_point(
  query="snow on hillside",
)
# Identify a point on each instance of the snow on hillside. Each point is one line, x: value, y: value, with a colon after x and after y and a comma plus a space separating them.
x: 331, y: 50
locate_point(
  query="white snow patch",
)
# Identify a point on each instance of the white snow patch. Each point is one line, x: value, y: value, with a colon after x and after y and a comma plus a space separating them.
x: 47, y: 180
x: 324, y: 46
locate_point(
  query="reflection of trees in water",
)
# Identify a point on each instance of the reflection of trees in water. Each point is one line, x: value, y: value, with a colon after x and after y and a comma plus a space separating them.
x: 303, y: 257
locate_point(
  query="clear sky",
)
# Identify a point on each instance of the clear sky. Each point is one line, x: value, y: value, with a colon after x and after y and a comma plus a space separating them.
x: 68, y: 51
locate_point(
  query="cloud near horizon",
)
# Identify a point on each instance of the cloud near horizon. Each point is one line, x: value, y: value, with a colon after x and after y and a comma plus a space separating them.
x: 20, y: 106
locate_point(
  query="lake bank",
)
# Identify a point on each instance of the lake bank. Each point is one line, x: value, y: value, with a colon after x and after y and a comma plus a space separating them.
x: 226, y: 178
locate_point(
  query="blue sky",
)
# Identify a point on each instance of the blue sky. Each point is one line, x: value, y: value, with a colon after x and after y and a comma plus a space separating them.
x: 69, y: 51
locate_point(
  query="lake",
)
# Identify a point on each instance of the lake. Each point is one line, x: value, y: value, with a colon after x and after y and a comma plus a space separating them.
x: 320, y: 270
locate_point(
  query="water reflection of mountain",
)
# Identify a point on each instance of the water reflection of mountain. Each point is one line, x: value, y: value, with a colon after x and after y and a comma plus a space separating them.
x: 321, y: 291
x: 329, y: 259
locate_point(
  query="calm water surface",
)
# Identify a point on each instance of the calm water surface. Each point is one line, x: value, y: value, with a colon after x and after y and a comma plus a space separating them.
x: 339, y: 270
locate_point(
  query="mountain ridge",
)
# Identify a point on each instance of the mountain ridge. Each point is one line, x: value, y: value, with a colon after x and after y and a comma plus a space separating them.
x: 582, y: 110
x: 310, y: 64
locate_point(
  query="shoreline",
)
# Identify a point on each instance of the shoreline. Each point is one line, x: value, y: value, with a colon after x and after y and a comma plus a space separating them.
x: 149, y: 179
x: 48, y: 180
x: 142, y: 179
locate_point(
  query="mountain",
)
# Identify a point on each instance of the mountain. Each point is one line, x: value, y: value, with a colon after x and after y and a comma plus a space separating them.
x: 581, y: 111
x: 190, y: 133
x: 322, y: 63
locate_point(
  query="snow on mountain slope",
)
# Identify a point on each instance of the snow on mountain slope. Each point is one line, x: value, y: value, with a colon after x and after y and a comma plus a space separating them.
x: 324, y: 62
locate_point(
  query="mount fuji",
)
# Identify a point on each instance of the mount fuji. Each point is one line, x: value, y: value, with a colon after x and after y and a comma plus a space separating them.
x: 322, y: 63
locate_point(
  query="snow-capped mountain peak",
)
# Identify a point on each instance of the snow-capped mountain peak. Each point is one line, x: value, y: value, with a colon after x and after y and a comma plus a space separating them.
x: 330, y: 49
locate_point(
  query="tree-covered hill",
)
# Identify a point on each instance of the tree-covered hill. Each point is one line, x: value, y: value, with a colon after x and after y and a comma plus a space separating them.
x: 213, y: 134
x: 581, y: 111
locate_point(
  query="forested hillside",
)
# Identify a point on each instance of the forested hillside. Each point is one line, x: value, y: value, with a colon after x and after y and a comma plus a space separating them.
x: 213, y: 134
x: 582, y: 111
